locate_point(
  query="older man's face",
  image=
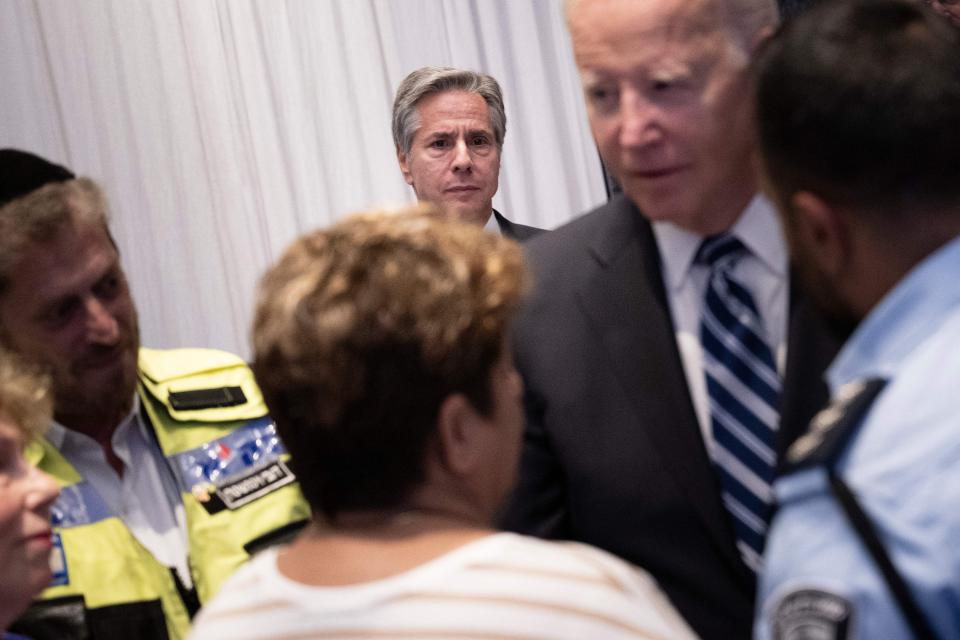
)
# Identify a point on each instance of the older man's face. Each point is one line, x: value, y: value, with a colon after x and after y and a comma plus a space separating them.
x: 454, y: 161
x: 668, y: 102
x: 69, y: 309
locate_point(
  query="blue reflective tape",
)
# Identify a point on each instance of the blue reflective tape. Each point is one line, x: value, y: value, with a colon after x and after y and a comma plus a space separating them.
x: 58, y: 564
x: 252, y: 446
x: 77, y: 505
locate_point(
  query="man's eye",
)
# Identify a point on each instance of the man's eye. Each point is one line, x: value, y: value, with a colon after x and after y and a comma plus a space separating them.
x: 669, y: 86
x: 672, y: 83
x: 480, y: 140
x: 108, y: 287
x: 602, y: 97
x: 438, y: 144
x: 60, y: 313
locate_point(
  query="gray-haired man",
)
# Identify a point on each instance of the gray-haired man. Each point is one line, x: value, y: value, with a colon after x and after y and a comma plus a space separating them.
x: 448, y: 129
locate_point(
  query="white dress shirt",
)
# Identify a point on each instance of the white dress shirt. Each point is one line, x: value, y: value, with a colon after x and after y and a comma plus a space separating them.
x: 146, y: 498
x: 764, y: 272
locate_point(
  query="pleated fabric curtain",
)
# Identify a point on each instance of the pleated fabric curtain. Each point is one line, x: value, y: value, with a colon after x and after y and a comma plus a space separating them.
x: 222, y: 129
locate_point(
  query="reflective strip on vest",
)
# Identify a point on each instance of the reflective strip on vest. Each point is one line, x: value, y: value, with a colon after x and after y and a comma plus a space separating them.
x: 252, y: 446
x: 78, y: 504
x: 240, y: 456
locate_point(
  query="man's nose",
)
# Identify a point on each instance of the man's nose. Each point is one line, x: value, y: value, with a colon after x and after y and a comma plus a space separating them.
x: 640, y: 123
x: 102, y: 325
x: 462, y: 160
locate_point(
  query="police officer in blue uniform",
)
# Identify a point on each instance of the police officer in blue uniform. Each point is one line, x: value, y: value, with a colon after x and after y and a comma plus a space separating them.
x: 857, y: 105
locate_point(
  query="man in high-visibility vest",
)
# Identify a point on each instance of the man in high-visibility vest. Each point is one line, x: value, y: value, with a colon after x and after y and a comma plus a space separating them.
x: 170, y: 468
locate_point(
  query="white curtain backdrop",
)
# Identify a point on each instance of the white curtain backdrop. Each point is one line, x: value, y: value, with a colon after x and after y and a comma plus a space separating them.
x: 222, y: 129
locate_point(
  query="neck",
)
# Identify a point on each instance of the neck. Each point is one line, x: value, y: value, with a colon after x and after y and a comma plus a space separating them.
x: 9, y: 611
x: 474, y: 216
x: 722, y: 218
x: 402, y: 521
x: 361, y: 546
x: 100, y: 426
x: 888, y: 254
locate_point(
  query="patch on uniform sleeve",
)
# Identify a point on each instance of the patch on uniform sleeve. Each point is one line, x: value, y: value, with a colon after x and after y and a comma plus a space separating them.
x: 811, y: 614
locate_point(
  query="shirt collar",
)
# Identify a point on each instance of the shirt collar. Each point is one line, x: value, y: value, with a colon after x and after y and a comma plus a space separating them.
x: 58, y: 434
x: 904, y: 317
x: 757, y: 227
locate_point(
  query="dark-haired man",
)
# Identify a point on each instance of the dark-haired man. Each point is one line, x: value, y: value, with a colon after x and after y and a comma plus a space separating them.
x: 857, y: 105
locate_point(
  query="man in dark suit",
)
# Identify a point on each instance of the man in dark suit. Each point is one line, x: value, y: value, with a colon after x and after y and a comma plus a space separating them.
x: 662, y: 343
x: 448, y: 130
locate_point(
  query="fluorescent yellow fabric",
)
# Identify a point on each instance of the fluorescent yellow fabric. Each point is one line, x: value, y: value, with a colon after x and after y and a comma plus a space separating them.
x: 105, y: 562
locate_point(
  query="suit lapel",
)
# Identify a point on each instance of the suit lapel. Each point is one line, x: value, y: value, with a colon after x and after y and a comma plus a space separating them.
x: 627, y: 306
x: 514, y: 230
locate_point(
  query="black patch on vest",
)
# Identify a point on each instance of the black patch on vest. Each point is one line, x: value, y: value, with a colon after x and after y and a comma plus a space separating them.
x: 207, y: 398
x: 62, y: 618
x: 811, y: 614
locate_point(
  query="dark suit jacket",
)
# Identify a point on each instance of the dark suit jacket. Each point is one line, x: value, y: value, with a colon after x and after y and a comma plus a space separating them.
x: 613, y: 453
x: 515, y: 230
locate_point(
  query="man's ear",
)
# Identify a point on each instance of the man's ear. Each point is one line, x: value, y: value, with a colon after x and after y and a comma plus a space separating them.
x: 822, y: 232
x: 404, y: 166
x: 760, y: 37
x: 459, y: 433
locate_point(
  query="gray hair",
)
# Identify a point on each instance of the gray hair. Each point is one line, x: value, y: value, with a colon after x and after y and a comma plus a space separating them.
x: 750, y: 19
x: 431, y: 80
x: 39, y: 216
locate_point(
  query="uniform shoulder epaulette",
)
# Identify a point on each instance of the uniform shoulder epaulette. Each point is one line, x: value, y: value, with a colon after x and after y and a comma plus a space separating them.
x: 832, y: 428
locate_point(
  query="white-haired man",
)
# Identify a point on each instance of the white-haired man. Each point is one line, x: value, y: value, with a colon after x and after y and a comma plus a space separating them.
x: 662, y: 343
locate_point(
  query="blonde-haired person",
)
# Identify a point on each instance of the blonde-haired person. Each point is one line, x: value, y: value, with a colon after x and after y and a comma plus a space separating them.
x: 26, y: 494
x: 381, y: 346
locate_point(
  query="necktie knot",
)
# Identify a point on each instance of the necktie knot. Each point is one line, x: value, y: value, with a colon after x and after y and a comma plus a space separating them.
x: 720, y: 250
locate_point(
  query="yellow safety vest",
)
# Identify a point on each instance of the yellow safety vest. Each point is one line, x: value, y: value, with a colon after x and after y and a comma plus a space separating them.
x: 211, y: 423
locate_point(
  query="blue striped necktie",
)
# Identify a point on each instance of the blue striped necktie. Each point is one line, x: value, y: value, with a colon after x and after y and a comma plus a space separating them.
x: 743, y: 388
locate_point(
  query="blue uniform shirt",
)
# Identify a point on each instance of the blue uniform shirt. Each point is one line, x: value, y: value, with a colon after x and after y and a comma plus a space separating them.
x: 903, y: 465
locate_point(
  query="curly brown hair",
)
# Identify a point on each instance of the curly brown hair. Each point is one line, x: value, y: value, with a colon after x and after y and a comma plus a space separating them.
x: 361, y: 331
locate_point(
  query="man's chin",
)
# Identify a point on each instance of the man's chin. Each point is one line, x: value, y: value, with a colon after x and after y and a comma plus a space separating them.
x: 104, y: 393
x: 669, y: 207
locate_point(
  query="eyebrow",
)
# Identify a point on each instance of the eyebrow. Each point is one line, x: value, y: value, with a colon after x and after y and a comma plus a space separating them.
x: 450, y: 133
x: 46, y: 304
